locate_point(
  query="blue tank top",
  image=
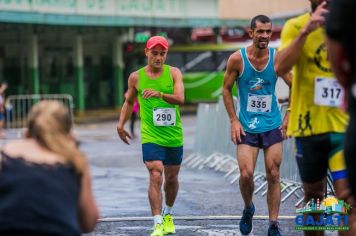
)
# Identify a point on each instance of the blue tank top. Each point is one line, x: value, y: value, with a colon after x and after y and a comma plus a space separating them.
x: 38, y: 199
x: 259, y: 111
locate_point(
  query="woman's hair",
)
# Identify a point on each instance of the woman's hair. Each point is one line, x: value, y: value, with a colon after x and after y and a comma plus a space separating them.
x: 49, y: 123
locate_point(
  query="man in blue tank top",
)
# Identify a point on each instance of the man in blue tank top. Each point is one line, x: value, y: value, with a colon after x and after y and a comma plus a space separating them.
x: 259, y: 120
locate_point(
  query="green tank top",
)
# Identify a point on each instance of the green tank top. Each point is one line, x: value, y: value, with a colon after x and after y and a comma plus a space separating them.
x: 160, y: 120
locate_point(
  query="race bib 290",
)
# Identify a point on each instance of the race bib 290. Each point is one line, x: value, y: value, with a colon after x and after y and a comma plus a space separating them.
x: 164, y: 116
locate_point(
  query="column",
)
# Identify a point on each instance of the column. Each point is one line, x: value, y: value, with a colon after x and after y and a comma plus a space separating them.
x: 79, y: 75
x: 33, y: 65
x: 118, y: 70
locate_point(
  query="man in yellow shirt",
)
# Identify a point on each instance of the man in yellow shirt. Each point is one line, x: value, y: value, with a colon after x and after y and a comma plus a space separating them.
x: 316, y: 120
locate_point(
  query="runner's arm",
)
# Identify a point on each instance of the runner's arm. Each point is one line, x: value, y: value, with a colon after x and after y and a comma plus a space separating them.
x: 178, y: 95
x: 126, y: 109
x: 289, y: 55
x: 288, y: 80
x: 230, y: 75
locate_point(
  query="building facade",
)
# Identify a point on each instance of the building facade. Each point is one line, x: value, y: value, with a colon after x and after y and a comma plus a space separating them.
x: 78, y: 47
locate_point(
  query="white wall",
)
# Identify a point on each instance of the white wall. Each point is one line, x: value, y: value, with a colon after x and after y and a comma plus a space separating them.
x: 246, y: 9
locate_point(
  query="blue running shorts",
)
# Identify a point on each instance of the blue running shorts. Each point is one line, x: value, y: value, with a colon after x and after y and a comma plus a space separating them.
x: 168, y: 155
x: 262, y: 140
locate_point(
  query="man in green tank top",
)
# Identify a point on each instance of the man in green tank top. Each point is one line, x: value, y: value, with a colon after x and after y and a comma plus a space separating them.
x: 160, y: 91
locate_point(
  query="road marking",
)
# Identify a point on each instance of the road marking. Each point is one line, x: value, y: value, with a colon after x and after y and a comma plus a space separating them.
x: 181, y: 227
x: 221, y: 217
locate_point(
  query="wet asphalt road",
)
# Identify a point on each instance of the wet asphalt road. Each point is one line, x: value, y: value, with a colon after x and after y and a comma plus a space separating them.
x: 206, y: 204
x: 120, y: 184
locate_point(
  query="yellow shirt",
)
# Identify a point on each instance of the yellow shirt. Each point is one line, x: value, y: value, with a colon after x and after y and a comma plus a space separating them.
x: 310, y: 113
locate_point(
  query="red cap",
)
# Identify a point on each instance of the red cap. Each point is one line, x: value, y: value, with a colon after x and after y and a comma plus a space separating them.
x: 157, y: 40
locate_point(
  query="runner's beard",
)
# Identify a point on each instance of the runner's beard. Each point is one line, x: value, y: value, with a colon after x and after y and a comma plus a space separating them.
x: 265, y: 43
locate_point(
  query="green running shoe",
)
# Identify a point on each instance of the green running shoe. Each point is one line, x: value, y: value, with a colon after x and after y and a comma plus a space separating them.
x: 168, y: 224
x: 158, y: 230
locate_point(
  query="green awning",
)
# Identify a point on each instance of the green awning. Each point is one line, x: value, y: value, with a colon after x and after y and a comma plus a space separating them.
x: 121, y: 21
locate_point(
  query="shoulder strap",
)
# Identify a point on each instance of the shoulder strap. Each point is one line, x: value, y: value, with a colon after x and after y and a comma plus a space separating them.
x: 272, y: 54
x: 244, y: 61
x: 243, y: 54
x: 141, y: 72
x: 167, y: 71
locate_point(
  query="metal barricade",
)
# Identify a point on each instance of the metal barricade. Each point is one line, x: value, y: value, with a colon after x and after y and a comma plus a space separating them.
x: 214, y: 149
x: 18, y: 107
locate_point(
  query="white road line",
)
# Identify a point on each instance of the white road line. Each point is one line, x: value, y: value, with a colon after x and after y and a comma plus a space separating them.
x: 221, y: 217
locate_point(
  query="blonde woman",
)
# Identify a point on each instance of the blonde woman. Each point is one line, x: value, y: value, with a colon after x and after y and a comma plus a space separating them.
x: 45, y: 186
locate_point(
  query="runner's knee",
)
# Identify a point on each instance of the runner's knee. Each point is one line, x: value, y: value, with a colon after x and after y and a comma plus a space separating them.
x: 171, y: 178
x: 272, y: 174
x: 342, y: 190
x: 246, y: 174
x: 314, y: 191
x: 156, y: 176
